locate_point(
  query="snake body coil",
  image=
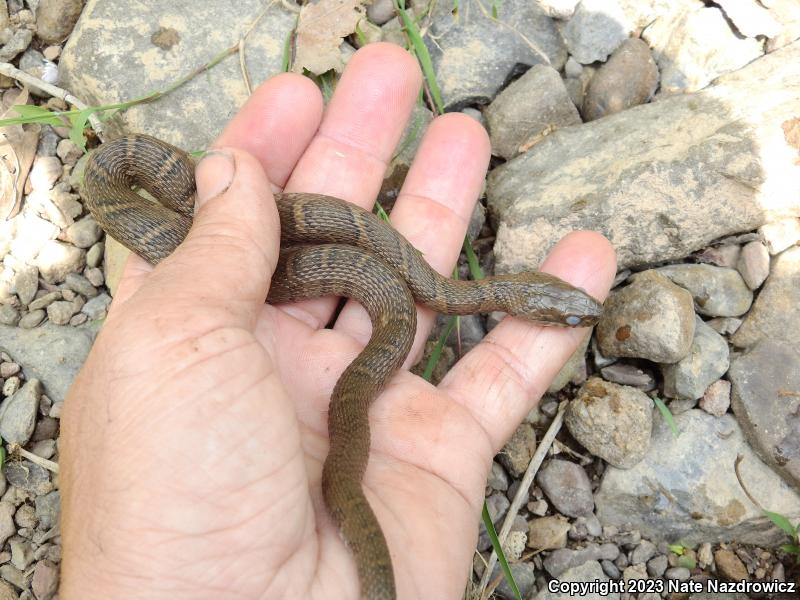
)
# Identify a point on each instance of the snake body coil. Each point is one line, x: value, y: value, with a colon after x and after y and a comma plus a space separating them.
x: 357, y: 256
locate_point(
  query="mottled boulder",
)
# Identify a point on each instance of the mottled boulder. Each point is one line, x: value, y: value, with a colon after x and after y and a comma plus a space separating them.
x: 660, y: 180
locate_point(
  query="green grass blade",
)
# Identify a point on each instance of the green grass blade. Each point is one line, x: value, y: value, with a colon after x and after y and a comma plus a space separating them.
x: 501, y: 557
x: 382, y: 214
x: 665, y: 412
x: 472, y: 260
x: 433, y: 359
x: 781, y: 523
x: 421, y: 51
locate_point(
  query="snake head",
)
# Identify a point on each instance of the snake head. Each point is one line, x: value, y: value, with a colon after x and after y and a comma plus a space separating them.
x: 548, y: 300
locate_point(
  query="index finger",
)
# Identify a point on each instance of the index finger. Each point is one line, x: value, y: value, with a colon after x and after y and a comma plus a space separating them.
x: 499, y: 380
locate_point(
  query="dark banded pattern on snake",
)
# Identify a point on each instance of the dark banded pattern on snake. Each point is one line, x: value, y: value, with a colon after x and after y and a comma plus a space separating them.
x: 355, y: 255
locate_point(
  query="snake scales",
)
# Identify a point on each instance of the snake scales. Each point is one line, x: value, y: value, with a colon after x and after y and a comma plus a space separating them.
x: 355, y: 255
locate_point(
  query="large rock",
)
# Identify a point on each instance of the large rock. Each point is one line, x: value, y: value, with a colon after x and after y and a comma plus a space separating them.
x: 694, y: 46
x: 119, y: 51
x: 764, y: 386
x: 474, y: 55
x: 659, y: 180
x: 776, y: 312
x: 685, y: 490
x: 51, y: 354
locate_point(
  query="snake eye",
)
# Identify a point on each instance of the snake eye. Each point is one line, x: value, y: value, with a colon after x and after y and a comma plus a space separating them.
x: 572, y: 320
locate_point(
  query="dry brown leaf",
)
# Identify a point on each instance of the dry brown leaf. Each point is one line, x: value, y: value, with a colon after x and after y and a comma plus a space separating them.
x: 320, y: 30
x: 17, y: 150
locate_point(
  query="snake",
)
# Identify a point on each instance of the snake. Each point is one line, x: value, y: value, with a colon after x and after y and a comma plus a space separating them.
x: 329, y: 247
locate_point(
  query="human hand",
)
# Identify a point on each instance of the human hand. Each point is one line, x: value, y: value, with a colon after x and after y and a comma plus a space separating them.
x: 193, y: 439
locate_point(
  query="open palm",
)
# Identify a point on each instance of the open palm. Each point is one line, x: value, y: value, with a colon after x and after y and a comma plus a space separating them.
x: 193, y: 439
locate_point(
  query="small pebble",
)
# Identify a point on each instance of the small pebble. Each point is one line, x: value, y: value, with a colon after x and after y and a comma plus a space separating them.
x: 11, y: 385
x: 7, y: 369
x: 677, y: 573
x: 717, y: 398
x: 657, y: 566
x: 753, y: 264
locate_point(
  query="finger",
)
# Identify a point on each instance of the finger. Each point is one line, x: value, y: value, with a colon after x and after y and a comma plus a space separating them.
x: 224, y: 265
x: 361, y: 128
x: 434, y: 206
x: 276, y: 124
x: 499, y: 380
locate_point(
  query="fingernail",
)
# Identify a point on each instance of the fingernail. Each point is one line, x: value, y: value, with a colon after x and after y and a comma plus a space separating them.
x: 214, y: 175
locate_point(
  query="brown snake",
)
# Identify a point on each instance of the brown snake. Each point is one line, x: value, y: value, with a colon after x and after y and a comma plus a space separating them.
x: 355, y: 255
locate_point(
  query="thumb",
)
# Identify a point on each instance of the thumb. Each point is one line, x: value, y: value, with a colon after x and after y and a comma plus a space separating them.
x: 230, y: 253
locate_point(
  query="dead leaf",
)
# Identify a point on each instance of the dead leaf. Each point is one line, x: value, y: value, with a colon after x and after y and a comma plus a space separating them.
x: 17, y: 149
x: 320, y: 30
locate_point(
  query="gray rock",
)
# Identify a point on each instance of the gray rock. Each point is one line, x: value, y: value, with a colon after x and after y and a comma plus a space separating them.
x: 141, y: 61
x: 45, y: 580
x: 11, y: 385
x: 80, y: 284
x: 611, y: 421
x: 518, y: 451
x: 707, y: 361
x: 61, y: 311
x: 627, y: 374
x: 474, y: 56
x: 96, y: 308
x: 29, y: 477
x: 657, y: 566
x: 48, y: 508
x: 695, y: 46
x: 750, y: 18
x: 643, y: 552
x: 754, y: 264
x: 524, y: 577
x: 685, y: 490
x: 7, y: 526
x: 717, y: 398
x: 567, y: 487
x: 659, y: 180
x: 762, y: 381
x: 651, y: 318
x: 19, y: 40
x: 380, y: 11
x: 610, y: 569
x: 14, y: 576
x: 21, y: 553
x: 498, y: 478
x: 780, y: 235
x: 68, y: 152
x: 677, y: 573
x: 55, y: 19
x: 776, y: 312
x: 597, y: 28
x: 548, y: 533
x: 8, y: 315
x: 45, y: 300
x: 50, y: 353
x: 589, y: 571
x: 56, y: 259
x: 717, y: 291
x: 83, y: 233
x: 561, y: 560
x: 94, y: 276
x: 641, y: 13
x: 25, y: 283
x: 533, y: 106
x: 18, y: 413
x: 629, y: 78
